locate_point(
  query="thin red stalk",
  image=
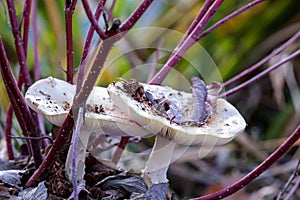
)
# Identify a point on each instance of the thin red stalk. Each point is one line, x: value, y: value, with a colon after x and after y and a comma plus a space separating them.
x: 260, y: 75
x: 90, y: 34
x: 60, y: 145
x: 19, y: 105
x: 204, y: 9
x: 26, y: 17
x: 37, y: 73
x: 93, y: 20
x: 263, y: 61
x: 18, y: 42
x: 120, y: 148
x: 26, y: 20
x: 185, y: 45
x: 225, y: 19
x: 136, y: 15
x: 8, y: 126
x: 280, y: 151
x: 97, y: 64
x: 86, y: 48
x: 69, y: 10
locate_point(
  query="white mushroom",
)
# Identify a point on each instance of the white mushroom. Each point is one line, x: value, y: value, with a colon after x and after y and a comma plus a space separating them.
x: 170, y: 114
x: 53, y: 98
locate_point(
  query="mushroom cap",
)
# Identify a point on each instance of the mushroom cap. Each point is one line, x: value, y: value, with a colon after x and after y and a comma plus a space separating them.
x: 53, y: 99
x: 225, y: 124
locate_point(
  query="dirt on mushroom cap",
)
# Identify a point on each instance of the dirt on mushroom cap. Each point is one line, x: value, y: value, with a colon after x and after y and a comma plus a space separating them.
x: 222, y: 126
x: 53, y: 98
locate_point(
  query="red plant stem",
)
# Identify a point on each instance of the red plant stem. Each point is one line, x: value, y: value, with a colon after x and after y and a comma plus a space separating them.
x: 260, y: 75
x: 136, y: 15
x: 18, y: 43
x: 37, y: 73
x: 184, y: 46
x: 93, y: 20
x: 202, y: 12
x: 17, y: 100
x: 60, y: 145
x: 97, y: 64
x: 225, y: 19
x: 120, y: 148
x: 263, y: 61
x: 281, y: 150
x: 86, y: 48
x: 8, y: 126
x: 90, y: 34
x: 26, y: 17
x: 69, y: 10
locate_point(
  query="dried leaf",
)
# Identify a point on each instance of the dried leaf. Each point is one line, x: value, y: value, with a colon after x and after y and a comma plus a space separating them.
x: 200, y: 92
x: 11, y: 177
x: 37, y: 193
x: 123, y: 182
x: 213, y: 91
x: 157, y: 192
x: 175, y: 114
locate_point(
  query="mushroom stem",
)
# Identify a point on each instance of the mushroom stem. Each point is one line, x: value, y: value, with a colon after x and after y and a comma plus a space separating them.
x: 80, y: 155
x: 159, y: 160
x: 75, y: 162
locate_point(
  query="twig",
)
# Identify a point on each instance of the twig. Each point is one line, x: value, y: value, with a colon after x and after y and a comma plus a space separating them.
x: 136, y: 15
x: 93, y: 20
x: 18, y: 43
x: 90, y: 34
x: 263, y: 61
x: 197, y: 19
x: 59, y: 147
x: 281, y: 150
x: 225, y: 19
x: 293, y: 189
x: 94, y: 71
x: 33, y: 138
x: 8, y: 126
x: 17, y: 100
x: 120, y: 148
x: 260, y: 75
x: 69, y: 10
x: 183, y: 46
x: 26, y: 17
x: 37, y: 73
x: 289, y: 182
x: 86, y: 48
